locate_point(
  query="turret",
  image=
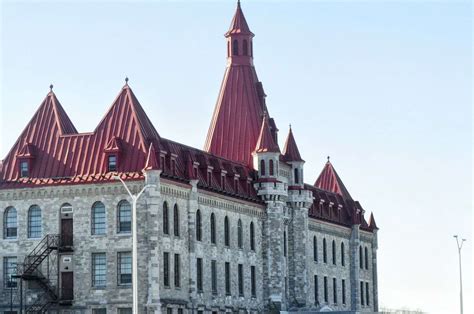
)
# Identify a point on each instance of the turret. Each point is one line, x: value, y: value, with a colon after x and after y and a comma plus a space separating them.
x: 292, y: 156
x: 239, y: 40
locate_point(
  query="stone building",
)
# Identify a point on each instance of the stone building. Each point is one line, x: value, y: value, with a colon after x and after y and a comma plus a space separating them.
x: 231, y: 228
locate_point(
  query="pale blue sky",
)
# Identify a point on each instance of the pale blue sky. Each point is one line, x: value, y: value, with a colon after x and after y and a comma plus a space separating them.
x: 382, y: 87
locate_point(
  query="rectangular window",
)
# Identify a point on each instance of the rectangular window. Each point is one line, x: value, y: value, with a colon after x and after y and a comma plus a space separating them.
x: 343, y: 291
x: 112, y: 163
x: 166, y: 269
x: 361, y: 293
x: 99, y: 270
x: 326, y: 289
x: 199, y: 274
x: 180, y: 311
x: 125, y: 310
x: 177, y: 271
x: 9, y: 269
x: 214, y: 277
x: 10, y: 223
x: 124, y: 268
x: 99, y: 311
x: 98, y: 219
x: 24, y: 169
x: 227, y: 278
x: 316, y: 290
x: 169, y: 310
x: 124, y: 218
x: 241, y: 279
x: 334, y: 290
x: 367, y: 294
x: 34, y: 222
x: 253, y: 281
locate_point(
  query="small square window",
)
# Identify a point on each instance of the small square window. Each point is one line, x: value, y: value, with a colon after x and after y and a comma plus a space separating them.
x: 112, y: 163
x: 24, y: 169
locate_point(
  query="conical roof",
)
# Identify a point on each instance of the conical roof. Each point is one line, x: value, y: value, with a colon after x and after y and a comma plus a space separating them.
x: 265, y: 142
x: 329, y: 180
x: 239, y: 24
x: 291, y: 151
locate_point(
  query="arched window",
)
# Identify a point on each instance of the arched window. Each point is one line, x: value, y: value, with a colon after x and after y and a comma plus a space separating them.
x: 366, y: 258
x: 10, y: 223
x: 235, y: 47
x: 198, y: 226
x: 124, y: 217
x: 166, y: 223
x: 297, y: 177
x: 252, y: 237
x: 98, y: 218
x: 361, y: 260
x: 239, y: 233
x: 333, y: 252
x: 284, y: 243
x: 176, y: 220
x: 262, y: 167
x: 343, y: 261
x: 271, y: 167
x: 245, y: 48
x: 213, y: 228
x: 226, y: 231
x: 315, y: 249
x: 34, y: 222
x: 325, y: 256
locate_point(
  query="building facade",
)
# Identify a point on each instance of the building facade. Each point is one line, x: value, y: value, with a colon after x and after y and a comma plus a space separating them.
x: 231, y: 228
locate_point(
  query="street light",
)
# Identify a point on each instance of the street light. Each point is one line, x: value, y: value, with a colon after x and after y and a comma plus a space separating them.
x: 460, y: 269
x: 134, y: 198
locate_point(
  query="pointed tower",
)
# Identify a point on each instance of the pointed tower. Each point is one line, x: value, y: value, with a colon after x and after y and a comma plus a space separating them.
x: 238, y: 114
x: 291, y: 155
x: 267, y: 153
x: 330, y: 181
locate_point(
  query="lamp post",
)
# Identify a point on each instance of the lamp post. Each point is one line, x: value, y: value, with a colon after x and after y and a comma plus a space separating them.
x: 134, y: 198
x: 459, y: 244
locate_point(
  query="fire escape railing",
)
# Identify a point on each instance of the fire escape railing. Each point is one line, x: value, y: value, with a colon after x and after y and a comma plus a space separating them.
x: 30, y: 271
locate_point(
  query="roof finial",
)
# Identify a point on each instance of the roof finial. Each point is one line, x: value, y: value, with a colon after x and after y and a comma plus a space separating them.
x: 329, y: 157
x: 51, y: 87
x: 126, y: 80
x: 290, y: 126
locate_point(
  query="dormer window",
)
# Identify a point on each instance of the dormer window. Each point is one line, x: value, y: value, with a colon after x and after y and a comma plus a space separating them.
x: 24, y: 169
x: 223, y: 182
x: 112, y: 163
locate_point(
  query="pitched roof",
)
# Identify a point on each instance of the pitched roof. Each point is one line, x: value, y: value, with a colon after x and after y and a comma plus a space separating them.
x: 151, y: 160
x: 266, y: 142
x: 61, y: 152
x: 291, y: 151
x: 329, y: 180
x: 239, y: 24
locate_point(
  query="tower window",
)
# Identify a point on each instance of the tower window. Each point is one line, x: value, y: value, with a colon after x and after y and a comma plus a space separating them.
x: 315, y: 249
x: 198, y: 226
x: 284, y: 243
x: 239, y: 234
x: 253, y: 281
x: 227, y: 278
x: 166, y: 269
x: 361, y: 260
x: 262, y: 167
x: 24, y: 169
x: 199, y: 274
x: 214, y: 277
x: 297, y: 178
x: 112, y: 163
x: 366, y: 258
x: 343, y: 262
x: 213, y: 229
x: 235, y: 47
x: 252, y: 237
x: 333, y: 252
x: 326, y: 289
x: 245, y: 48
x: 271, y: 167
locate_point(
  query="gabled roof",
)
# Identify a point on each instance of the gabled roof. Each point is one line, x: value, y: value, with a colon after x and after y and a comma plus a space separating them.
x: 61, y: 152
x: 265, y: 142
x: 114, y: 145
x: 329, y: 180
x: 239, y: 24
x: 291, y: 151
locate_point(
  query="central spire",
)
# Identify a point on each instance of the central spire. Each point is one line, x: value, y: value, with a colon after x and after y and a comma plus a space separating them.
x: 238, y: 115
x: 239, y: 39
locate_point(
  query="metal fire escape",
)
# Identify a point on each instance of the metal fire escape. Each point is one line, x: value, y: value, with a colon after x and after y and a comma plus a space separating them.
x: 30, y: 271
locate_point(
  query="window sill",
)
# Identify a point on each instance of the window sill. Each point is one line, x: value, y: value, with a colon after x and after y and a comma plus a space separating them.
x: 124, y: 234
x: 10, y: 239
x: 99, y: 235
x: 99, y: 288
x: 124, y: 286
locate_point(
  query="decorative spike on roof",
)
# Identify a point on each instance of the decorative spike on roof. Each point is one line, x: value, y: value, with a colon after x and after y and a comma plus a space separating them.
x: 329, y: 180
x: 291, y: 151
x: 239, y: 24
x: 372, y: 223
x: 151, y: 161
x: 265, y: 142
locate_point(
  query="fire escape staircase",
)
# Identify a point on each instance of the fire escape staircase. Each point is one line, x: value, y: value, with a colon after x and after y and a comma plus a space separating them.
x: 30, y: 271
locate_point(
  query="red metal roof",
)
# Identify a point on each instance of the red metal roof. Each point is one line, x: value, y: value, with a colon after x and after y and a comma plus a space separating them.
x: 329, y: 180
x: 239, y: 24
x: 291, y: 151
x: 266, y: 142
x: 237, y: 118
